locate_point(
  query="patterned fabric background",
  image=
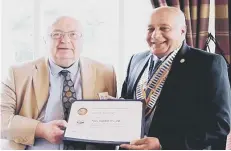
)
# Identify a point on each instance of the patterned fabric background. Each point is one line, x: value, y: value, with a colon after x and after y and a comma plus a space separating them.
x: 223, y: 26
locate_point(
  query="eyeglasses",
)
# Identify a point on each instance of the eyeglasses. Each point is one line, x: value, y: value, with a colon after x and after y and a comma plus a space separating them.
x: 71, y: 34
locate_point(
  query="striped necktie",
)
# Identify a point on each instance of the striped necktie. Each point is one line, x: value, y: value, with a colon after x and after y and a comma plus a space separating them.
x: 153, y: 67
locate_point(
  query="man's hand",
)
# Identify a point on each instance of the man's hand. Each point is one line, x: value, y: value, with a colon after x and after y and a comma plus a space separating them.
x: 51, y: 131
x: 148, y: 143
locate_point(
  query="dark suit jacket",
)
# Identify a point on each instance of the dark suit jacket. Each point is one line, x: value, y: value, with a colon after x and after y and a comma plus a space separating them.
x: 193, y: 109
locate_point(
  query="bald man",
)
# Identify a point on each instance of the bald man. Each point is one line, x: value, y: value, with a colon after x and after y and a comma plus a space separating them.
x: 36, y: 96
x: 186, y: 90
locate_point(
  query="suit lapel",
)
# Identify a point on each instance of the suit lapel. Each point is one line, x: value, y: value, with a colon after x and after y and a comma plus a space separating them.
x: 137, y: 72
x: 178, y: 66
x: 88, y: 75
x: 172, y: 82
x: 180, y: 60
x: 41, y: 82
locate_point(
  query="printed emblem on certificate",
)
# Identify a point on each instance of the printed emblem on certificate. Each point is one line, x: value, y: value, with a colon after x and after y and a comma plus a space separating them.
x: 105, y: 121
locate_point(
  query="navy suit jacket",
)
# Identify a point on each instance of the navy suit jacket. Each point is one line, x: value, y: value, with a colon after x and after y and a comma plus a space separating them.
x: 193, y: 109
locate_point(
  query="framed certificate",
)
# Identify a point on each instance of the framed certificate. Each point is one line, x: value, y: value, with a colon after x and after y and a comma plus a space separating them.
x: 105, y: 121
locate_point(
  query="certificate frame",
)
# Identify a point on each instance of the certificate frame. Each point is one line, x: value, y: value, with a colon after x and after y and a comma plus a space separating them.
x: 69, y: 139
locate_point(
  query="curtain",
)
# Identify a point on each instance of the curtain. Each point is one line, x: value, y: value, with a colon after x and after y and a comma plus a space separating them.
x: 197, y: 18
x: 223, y: 26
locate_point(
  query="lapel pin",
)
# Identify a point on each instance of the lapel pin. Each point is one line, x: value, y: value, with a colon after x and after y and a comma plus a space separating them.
x: 182, y: 60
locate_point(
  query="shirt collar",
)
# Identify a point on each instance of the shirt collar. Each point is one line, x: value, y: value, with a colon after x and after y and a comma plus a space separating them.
x: 55, y: 69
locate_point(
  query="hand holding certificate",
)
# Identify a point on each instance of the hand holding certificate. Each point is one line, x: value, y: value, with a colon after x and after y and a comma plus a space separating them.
x: 113, y: 121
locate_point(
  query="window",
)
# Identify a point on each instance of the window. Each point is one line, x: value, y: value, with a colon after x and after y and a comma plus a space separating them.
x: 18, y: 32
x: 112, y: 27
x: 212, y: 24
